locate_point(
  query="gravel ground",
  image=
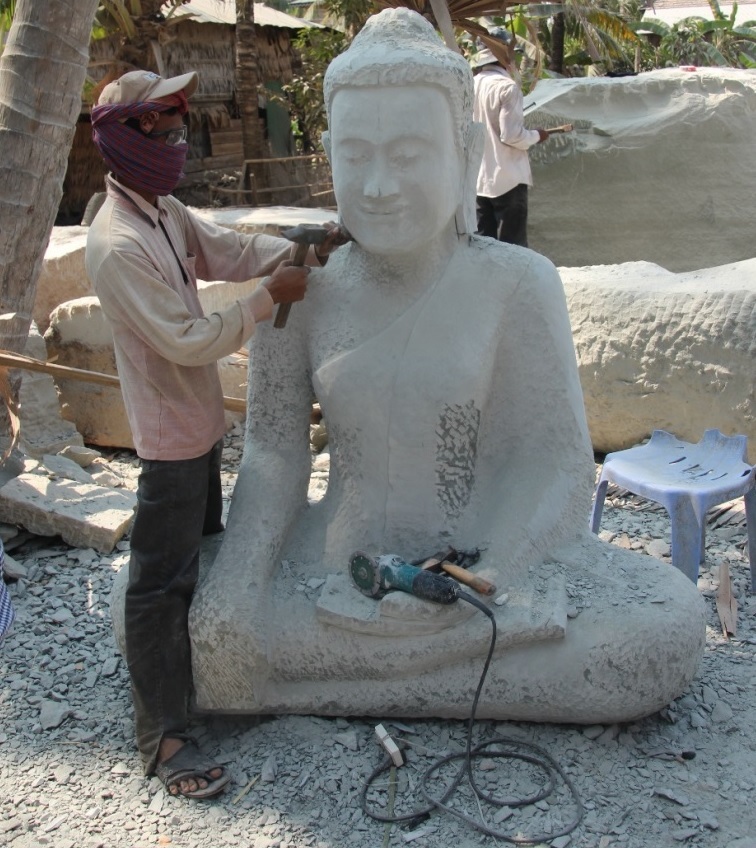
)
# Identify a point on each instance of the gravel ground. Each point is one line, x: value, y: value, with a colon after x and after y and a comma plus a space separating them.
x: 70, y: 777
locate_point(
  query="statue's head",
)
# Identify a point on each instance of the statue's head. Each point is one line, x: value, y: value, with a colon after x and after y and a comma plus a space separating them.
x: 401, y: 138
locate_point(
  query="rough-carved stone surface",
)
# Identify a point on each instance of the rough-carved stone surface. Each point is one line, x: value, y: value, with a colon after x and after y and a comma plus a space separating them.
x: 83, y: 514
x: 667, y: 351
x: 660, y: 167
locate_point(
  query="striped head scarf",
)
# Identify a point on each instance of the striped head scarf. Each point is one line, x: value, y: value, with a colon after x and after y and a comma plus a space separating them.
x: 145, y: 163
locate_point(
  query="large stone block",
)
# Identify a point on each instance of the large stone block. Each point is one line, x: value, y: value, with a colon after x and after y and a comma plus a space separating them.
x: 63, y: 276
x: 79, y: 337
x: 663, y: 350
x: 660, y: 167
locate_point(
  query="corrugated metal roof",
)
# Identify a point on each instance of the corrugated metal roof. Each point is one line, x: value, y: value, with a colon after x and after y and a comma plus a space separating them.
x: 224, y: 12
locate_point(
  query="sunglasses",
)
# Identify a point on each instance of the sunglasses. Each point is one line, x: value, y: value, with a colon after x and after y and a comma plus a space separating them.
x: 172, y: 137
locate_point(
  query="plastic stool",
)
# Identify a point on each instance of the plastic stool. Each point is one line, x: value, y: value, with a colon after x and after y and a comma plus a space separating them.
x: 687, y: 479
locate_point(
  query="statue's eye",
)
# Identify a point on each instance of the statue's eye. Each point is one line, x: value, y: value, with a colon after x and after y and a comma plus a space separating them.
x: 355, y: 154
x: 403, y: 160
x: 406, y: 154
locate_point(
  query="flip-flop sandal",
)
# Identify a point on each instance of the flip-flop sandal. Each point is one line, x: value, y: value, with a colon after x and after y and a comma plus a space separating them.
x: 189, y: 763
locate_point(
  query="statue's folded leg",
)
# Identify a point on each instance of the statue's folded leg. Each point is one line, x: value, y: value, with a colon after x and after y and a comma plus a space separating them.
x: 631, y: 644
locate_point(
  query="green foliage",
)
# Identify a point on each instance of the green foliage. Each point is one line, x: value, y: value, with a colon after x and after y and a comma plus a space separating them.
x: 317, y: 47
x: 701, y: 42
x: 596, y: 32
x: 351, y: 14
x: 7, y: 10
x: 304, y: 94
x: 119, y: 15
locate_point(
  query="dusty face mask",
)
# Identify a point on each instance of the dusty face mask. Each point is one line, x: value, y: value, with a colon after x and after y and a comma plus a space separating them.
x: 148, y: 164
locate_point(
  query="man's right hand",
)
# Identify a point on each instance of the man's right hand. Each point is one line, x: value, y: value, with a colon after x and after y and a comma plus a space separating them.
x: 288, y: 283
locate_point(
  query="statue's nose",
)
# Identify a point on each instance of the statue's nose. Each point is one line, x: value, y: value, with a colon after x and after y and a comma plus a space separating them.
x: 380, y: 180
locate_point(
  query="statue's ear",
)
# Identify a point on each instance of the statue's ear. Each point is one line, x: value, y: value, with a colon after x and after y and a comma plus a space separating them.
x: 465, y: 215
x: 325, y: 139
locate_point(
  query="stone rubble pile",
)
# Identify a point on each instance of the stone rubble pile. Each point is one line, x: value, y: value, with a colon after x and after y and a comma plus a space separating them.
x: 70, y: 777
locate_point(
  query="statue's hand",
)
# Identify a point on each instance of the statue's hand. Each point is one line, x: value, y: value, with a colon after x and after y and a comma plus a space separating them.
x: 410, y: 612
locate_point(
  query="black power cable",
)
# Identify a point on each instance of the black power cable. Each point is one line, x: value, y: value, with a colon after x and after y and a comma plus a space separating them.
x: 515, y: 749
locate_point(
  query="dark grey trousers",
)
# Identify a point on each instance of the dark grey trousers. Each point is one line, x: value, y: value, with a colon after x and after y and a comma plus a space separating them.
x: 177, y: 503
x: 504, y: 217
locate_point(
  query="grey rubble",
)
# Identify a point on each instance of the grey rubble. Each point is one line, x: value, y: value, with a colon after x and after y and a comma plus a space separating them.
x: 70, y: 777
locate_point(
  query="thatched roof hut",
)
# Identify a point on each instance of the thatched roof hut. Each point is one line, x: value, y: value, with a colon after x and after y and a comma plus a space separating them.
x: 198, y: 36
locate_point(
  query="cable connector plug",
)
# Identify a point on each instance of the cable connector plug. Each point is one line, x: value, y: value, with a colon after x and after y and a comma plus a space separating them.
x: 391, y: 748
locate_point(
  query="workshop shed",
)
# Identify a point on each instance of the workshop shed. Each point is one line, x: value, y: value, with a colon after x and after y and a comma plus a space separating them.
x: 199, y: 36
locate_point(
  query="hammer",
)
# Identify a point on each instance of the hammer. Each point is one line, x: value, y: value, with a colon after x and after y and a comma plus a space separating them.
x: 303, y: 235
x: 440, y: 562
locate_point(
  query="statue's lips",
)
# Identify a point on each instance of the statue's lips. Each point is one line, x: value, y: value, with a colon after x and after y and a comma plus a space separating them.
x: 383, y: 212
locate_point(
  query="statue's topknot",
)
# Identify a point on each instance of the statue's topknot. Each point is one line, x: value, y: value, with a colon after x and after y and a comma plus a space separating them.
x: 399, y: 47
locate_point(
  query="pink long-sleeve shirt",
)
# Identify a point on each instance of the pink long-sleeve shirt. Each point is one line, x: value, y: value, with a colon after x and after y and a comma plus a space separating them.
x: 166, y: 348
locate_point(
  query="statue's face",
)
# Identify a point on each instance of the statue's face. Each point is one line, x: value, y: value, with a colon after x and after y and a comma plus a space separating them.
x: 397, y: 172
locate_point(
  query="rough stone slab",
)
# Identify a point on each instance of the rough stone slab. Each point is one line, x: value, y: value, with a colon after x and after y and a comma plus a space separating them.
x: 84, y: 515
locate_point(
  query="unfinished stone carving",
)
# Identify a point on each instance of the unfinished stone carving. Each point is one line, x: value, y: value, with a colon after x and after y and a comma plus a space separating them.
x: 445, y: 369
x: 660, y: 167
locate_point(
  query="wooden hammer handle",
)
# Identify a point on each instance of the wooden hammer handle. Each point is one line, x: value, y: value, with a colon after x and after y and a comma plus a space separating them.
x: 298, y: 256
x: 479, y: 584
x: 564, y: 128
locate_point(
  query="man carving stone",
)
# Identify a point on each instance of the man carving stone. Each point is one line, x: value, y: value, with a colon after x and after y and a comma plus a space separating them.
x: 444, y: 366
x: 502, y: 190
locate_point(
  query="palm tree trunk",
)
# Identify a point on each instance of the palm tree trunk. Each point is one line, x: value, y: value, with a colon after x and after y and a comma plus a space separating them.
x: 42, y: 72
x: 247, y: 86
x: 556, y: 60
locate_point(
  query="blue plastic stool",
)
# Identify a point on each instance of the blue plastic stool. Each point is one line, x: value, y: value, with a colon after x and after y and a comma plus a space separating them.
x: 688, y: 480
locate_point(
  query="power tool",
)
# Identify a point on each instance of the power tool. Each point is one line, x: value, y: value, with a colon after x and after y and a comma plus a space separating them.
x: 376, y: 575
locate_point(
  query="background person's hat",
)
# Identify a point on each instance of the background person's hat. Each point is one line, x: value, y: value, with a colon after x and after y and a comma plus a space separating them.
x: 140, y: 86
x: 495, y: 46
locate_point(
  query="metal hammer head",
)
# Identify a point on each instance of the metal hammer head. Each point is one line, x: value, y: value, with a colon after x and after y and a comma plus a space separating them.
x: 306, y: 234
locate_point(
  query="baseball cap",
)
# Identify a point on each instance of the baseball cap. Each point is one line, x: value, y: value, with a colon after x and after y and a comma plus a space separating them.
x: 139, y: 86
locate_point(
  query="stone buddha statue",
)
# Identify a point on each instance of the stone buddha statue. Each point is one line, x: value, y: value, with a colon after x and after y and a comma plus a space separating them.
x: 444, y: 366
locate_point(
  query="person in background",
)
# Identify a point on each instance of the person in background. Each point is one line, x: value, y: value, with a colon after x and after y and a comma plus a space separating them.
x: 502, y: 188
x: 145, y: 252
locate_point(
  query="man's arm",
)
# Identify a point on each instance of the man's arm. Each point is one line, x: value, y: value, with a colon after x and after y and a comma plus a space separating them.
x: 512, y: 130
x: 224, y: 254
x: 133, y: 294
